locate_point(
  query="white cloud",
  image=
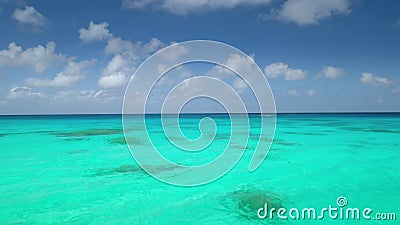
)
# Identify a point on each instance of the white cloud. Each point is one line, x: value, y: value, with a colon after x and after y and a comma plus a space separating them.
x: 39, y: 58
x: 117, y: 63
x: 311, y: 92
x: 178, y: 78
x: 21, y: 92
x: 26, y: 94
x: 74, y: 96
x: 178, y: 73
x: 116, y: 73
x: 105, y: 96
x: 72, y: 73
x: 174, y: 52
x: 331, y: 72
x: 295, y: 74
x: 95, y: 32
x: 184, y: 7
x: 126, y: 54
x: 239, y: 85
x: 117, y: 45
x: 281, y: 69
x: 126, y: 57
x: 371, y: 79
x: 235, y: 64
x: 276, y: 69
x: 396, y: 90
x: 136, y: 4
x: 30, y: 16
x: 241, y: 64
x: 308, y: 12
x: 113, y: 80
x: 293, y: 92
x: 60, y: 80
x: 153, y: 45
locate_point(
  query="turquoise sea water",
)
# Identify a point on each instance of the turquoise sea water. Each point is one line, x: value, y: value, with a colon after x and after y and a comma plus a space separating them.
x: 77, y: 169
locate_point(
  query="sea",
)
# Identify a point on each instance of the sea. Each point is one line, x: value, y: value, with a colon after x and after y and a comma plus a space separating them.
x: 78, y: 169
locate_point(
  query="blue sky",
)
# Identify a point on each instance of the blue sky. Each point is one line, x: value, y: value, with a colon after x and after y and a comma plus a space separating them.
x: 77, y: 56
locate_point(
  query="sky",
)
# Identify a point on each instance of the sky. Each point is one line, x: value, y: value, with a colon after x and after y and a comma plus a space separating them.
x: 61, y: 57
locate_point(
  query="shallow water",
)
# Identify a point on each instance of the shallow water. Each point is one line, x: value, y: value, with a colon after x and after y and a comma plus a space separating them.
x: 77, y: 170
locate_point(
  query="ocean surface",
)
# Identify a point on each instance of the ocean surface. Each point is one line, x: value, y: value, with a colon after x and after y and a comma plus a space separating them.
x: 77, y: 169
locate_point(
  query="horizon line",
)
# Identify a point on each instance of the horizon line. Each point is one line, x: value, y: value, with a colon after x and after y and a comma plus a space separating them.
x: 198, y: 113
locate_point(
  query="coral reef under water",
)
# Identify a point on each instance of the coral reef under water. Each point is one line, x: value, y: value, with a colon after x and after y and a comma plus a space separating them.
x: 90, y: 132
x: 132, y: 140
x: 128, y: 168
x: 246, y: 201
x: 123, y: 169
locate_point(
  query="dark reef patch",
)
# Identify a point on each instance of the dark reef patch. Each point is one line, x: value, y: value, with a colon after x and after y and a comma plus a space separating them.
x: 128, y: 169
x: 278, y: 141
x: 246, y: 201
x: 123, y: 169
x: 119, y: 140
x: 75, y: 139
x: 74, y: 152
x: 132, y: 140
x: 90, y: 132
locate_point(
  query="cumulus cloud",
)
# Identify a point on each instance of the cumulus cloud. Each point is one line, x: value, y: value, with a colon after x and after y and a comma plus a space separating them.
x: 174, y: 52
x: 95, y: 32
x: 239, y: 84
x: 173, y: 76
x: 136, y: 4
x: 38, y: 58
x: 29, y: 16
x: 153, y: 45
x: 27, y: 94
x: 117, y: 45
x: 308, y: 12
x: 126, y: 56
x: 331, y: 72
x: 184, y: 7
x: 179, y: 79
x: 21, y: 92
x: 113, y: 80
x: 89, y: 96
x: 116, y: 72
x: 61, y: 80
x: 371, y: 79
x: 239, y: 64
x: 281, y: 69
x: 235, y: 63
x: 311, y: 92
x: 72, y: 73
